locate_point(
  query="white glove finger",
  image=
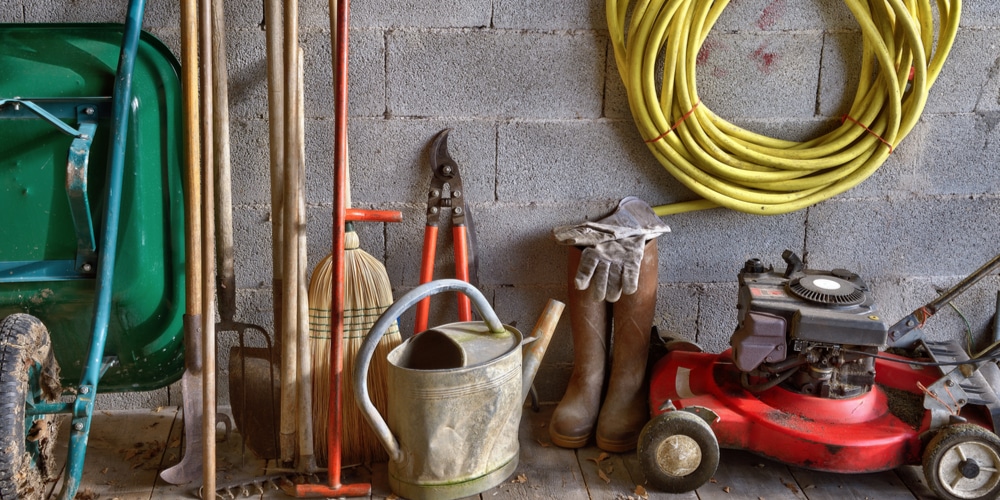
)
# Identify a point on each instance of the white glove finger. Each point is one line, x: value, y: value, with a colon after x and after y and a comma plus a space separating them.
x: 585, y: 270
x: 614, y: 288
x: 630, y: 278
x: 599, y: 283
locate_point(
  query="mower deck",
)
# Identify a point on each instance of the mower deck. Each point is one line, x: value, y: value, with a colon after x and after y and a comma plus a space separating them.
x: 853, y: 435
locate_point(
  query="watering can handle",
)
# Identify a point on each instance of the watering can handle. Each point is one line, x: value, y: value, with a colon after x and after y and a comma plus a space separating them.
x: 378, y: 330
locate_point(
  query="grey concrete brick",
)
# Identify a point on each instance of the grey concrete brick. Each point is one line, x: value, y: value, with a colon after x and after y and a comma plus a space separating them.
x: 414, y: 13
x: 760, y: 75
x: 979, y: 14
x: 132, y: 400
x: 252, y: 244
x: 896, y: 238
x: 390, y: 160
x: 959, y: 155
x: 12, y: 12
x: 524, y: 14
x: 840, y: 73
x: 579, y: 160
x: 711, y: 246
x: 250, y: 162
x: 962, y: 83
x: 784, y: 15
x: 248, y: 73
x: 366, y: 73
x: 616, y: 104
x: 677, y: 310
x: 486, y: 73
x: 717, y: 315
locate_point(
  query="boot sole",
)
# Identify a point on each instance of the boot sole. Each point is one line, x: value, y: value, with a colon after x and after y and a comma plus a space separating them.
x: 568, y: 441
x: 616, y: 446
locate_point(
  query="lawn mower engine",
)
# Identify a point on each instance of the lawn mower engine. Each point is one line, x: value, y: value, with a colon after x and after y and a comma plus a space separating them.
x: 811, y: 332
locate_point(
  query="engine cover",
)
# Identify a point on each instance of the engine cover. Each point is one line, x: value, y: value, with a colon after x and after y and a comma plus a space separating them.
x: 828, y: 307
x: 812, y: 331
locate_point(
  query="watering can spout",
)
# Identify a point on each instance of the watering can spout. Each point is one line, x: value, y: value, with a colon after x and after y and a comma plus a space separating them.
x: 540, y: 337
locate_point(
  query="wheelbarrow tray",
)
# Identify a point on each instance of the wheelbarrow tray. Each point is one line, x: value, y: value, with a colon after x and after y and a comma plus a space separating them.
x: 59, y: 66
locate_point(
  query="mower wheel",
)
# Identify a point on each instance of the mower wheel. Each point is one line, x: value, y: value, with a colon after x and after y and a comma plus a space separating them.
x: 28, y: 375
x: 678, y: 452
x: 962, y: 462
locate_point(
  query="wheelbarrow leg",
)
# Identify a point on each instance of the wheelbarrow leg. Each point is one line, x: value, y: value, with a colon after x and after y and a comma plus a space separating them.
x: 83, y: 406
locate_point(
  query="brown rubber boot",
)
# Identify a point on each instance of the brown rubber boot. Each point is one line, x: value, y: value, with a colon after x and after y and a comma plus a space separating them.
x: 626, y: 409
x: 573, y: 421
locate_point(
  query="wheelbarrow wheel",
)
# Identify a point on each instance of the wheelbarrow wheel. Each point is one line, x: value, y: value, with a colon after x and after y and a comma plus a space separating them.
x: 678, y: 452
x: 28, y: 375
x: 962, y: 462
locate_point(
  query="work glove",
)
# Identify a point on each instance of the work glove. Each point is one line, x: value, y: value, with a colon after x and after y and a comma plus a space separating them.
x: 613, y: 249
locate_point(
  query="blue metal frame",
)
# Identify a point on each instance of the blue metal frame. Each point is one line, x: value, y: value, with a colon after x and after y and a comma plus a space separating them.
x: 83, y: 406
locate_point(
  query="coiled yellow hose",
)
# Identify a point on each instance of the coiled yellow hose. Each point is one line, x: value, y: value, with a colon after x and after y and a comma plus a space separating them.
x: 732, y: 167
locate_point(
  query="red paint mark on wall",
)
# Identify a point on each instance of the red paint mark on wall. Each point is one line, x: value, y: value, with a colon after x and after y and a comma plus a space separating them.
x: 771, y: 14
x: 706, y: 50
x: 765, y: 59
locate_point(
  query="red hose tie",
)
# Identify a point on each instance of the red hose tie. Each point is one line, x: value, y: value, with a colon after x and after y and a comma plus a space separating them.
x: 677, y: 124
x: 870, y: 131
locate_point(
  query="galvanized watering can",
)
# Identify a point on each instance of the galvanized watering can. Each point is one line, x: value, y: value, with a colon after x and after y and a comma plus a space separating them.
x: 455, y: 397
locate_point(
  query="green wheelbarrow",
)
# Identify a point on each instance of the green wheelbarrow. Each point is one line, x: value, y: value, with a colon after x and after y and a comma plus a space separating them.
x: 92, y: 247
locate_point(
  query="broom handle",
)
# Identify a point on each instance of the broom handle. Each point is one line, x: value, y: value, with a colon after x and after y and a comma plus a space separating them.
x: 339, y: 19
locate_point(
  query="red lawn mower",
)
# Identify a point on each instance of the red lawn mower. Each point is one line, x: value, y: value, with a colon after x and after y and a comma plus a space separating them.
x: 815, y: 378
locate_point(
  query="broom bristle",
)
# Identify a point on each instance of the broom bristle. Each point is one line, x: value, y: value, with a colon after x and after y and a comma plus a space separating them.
x: 367, y: 293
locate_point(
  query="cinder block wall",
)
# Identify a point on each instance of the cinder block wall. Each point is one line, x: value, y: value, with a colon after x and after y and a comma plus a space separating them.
x: 543, y: 137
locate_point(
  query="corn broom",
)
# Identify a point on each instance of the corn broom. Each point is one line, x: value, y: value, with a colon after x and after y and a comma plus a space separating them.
x: 367, y: 293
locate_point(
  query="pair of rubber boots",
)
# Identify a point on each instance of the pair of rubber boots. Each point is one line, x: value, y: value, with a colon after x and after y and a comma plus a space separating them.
x: 625, y: 410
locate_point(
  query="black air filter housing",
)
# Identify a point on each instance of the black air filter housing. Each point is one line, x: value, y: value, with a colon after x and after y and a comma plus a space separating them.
x: 830, y: 290
x: 828, y: 307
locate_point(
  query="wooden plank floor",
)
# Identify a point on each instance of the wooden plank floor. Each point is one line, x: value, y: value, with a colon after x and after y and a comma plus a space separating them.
x: 128, y: 449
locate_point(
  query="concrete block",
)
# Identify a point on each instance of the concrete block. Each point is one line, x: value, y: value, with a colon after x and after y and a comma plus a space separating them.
x: 12, y: 12
x: 840, y: 73
x: 252, y: 242
x: 760, y: 75
x: 390, y: 160
x: 248, y: 73
x: 487, y: 73
x: 579, y: 160
x: 414, y: 13
x: 711, y: 246
x: 717, y: 315
x: 366, y: 73
x: 677, y: 310
x: 85, y: 12
x: 963, y: 81
x: 250, y: 161
x: 616, y: 104
x: 895, y: 238
x: 784, y: 15
x: 132, y: 400
x: 959, y: 155
x: 979, y: 14
x: 524, y: 14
